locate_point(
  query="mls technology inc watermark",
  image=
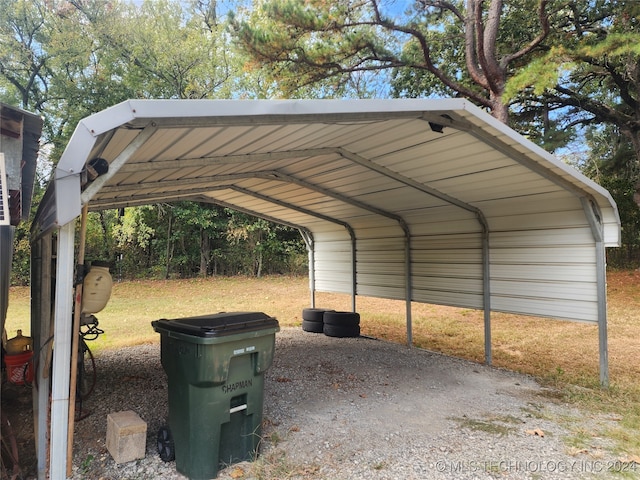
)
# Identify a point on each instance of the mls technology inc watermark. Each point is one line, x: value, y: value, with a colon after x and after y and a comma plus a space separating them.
x: 536, y: 466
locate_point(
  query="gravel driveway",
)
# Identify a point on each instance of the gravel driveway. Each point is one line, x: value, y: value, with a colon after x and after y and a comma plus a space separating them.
x: 360, y: 408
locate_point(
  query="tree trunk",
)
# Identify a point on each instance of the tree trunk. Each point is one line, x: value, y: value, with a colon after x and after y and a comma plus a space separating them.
x: 106, y: 248
x: 169, y: 254
x: 205, y: 252
x: 259, y: 264
x: 634, y: 136
x: 500, y: 111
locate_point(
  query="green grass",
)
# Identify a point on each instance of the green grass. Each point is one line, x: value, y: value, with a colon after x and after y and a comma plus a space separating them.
x: 494, y: 426
x: 133, y: 305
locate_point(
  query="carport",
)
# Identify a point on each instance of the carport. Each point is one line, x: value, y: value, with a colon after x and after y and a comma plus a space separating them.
x: 419, y: 200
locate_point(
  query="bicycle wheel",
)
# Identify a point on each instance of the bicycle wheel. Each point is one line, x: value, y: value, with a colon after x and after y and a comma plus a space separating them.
x: 86, y: 379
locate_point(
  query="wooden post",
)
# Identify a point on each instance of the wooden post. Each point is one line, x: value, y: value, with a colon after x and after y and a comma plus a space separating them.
x: 75, y: 338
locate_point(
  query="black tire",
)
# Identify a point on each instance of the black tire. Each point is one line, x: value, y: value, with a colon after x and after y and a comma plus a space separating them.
x: 166, y: 447
x: 314, y: 314
x: 313, y: 327
x: 342, y: 319
x: 341, y: 331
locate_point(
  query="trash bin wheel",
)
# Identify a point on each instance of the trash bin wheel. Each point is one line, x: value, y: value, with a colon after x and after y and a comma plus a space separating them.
x: 166, y: 447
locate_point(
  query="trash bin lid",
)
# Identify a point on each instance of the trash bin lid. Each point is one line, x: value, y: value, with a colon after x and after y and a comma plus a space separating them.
x: 217, y: 325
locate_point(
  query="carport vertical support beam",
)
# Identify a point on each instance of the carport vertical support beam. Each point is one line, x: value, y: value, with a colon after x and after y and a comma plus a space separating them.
x: 408, y: 286
x: 62, y: 353
x: 354, y: 272
x: 595, y: 221
x: 486, y: 293
x: 603, y: 340
x: 308, y: 239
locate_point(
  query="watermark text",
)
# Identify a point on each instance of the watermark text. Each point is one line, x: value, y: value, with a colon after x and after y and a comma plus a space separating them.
x: 536, y: 466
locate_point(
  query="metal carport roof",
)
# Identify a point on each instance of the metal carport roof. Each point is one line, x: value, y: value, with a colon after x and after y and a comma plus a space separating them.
x: 421, y: 200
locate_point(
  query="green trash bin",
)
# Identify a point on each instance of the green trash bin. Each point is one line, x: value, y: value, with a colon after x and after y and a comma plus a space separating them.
x: 215, y: 368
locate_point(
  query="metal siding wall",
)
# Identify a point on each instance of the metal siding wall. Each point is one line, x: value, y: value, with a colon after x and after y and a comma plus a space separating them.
x: 544, y: 263
x: 446, y: 252
x: 381, y: 267
x: 333, y: 261
x: 549, y: 307
x: 447, y: 269
x: 541, y: 263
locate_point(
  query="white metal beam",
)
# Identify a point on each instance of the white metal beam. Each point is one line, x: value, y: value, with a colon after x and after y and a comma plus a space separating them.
x: 62, y: 353
x: 118, y: 162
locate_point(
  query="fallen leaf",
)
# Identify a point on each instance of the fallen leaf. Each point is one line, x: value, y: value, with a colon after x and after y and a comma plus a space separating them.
x: 578, y: 451
x: 536, y: 432
x: 237, y: 473
x: 631, y: 459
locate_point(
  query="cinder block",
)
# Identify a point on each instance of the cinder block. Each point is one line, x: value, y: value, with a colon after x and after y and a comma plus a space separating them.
x: 126, y: 436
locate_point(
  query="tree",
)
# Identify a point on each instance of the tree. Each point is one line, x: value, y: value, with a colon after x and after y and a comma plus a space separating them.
x: 197, y: 232
x: 52, y: 64
x: 592, y: 78
x: 24, y: 33
x: 611, y: 163
x: 261, y: 246
x: 169, y: 51
x: 465, y: 49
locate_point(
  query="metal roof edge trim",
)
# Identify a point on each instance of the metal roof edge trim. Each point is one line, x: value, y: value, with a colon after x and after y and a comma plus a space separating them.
x: 85, y: 136
x: 581, y: 181
x: 175, y: 108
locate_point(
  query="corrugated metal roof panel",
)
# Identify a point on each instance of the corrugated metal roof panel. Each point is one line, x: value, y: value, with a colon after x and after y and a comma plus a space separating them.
x: 371, y: 169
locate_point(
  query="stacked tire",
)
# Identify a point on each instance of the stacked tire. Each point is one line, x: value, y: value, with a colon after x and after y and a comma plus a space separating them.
x: 312, y: 319
x: 331, y: 322
x: 341, y: 324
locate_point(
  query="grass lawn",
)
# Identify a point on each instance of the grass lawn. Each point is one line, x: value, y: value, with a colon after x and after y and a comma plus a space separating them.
x: 560, y: 354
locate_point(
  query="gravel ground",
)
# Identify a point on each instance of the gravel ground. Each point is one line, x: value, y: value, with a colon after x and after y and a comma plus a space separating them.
x: 360, y: 408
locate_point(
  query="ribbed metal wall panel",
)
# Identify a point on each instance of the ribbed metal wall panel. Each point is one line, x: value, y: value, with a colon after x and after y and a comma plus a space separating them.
x: 333, y: 260
x: 563, y: 291
x: 549, y: 307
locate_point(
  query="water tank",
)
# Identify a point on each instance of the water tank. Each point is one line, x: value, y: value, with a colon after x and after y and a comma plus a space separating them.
x: 96, y: 288
x: 18, y: 344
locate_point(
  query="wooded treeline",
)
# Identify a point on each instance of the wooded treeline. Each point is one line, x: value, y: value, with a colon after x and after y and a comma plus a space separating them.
x: 565, y: 73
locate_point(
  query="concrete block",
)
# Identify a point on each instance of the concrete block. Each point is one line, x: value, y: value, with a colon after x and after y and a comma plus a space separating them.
x: 126, y: 436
